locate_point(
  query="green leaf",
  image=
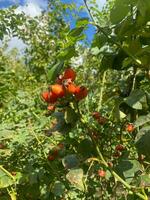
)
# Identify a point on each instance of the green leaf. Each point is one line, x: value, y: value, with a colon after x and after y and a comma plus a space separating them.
x: 95, y: 51
x: 127, y: 169
x: 54, y: 71
x: 58, y: 188
x: 67, y: 53
x: 119, y: 11
x: 99, y: 40
x: 143, y: 7
x: 70, y: 161
x: 76, y: 31
x: 5, y: 180
x: 85, y: 147
x: 70, y: 116
x: 142, y: 142
x: 82, y: 22
x: 145, y: 180
x: 142, y: 120
x: 135, y: 98
x: 75, y: 177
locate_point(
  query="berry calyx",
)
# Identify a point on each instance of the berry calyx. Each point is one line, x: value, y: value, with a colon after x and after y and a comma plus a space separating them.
x: 69, y: 74
x: 51, y: 108
x: 101, y: 173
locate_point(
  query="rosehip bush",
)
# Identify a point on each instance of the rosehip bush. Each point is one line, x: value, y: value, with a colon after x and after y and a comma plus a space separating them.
x: 72, y: 130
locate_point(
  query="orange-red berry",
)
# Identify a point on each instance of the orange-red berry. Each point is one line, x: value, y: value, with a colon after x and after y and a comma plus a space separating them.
x: 130, y: 128
x: 45, y: 96
x: 49, y: 97
x: 71, y: 88
x: 81, y: 93
x: 52, y: 97
x: 101, y: 173
x: 58, y: 90
x: 69, y: 74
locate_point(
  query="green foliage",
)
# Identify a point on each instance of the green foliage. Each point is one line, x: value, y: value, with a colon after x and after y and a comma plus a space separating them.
x: 57, y: 154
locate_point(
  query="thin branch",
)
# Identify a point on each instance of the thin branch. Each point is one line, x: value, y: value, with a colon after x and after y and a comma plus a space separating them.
x: 137, y: 61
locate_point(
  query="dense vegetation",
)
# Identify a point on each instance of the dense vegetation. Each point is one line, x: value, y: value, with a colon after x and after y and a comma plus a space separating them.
x: 75, y: 117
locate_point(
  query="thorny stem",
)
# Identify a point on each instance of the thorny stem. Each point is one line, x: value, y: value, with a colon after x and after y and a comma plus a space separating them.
x: 115, y: 175
x: 6, y: 172
x: 101, y: 91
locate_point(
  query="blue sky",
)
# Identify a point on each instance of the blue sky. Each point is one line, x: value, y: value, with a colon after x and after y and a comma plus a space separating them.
x: 34, y: 7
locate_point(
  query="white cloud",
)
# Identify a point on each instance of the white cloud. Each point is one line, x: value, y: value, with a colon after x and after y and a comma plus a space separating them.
x: 15, y: 42
x: 100, y: 3
x: 31, y: 8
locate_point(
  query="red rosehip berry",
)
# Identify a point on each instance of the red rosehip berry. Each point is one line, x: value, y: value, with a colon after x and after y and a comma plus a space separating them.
x: 58, y: 90
x: 51, y: 157
x: 71, y: 88
x: 96, y: 115
x: 119, y: 147
x: 69, y: 74
x: 101, y: 173
x: 81, y: 93
x: 130, y: 128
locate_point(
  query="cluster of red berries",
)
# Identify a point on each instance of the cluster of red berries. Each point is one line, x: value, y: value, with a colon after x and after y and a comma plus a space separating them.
x: 100, y: 119
x: 63, y: 87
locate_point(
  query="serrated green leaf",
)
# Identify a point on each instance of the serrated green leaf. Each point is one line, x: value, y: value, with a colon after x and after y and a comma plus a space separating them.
x: 127, y: 169
x: 135, y: 98
x: 142, y: 142
x: 75, y: 177
x: 119, y: 11
x: 142, y: 120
